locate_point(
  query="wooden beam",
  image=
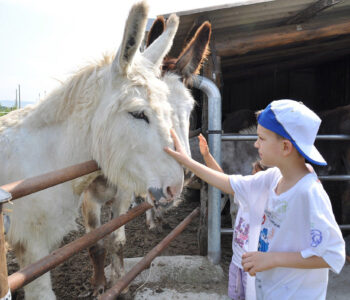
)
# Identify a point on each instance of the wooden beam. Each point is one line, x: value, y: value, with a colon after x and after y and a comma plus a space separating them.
x: 272, y: 56
x: 310, y: 12
x: 301, y: 62
x: 282, y: 36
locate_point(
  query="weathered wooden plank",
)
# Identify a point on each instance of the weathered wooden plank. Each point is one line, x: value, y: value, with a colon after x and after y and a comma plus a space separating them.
x: 310, y: 12
x: 282, y: 36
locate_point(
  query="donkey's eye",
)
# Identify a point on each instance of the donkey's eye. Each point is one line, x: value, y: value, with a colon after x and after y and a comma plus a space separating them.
x: 139, y: 115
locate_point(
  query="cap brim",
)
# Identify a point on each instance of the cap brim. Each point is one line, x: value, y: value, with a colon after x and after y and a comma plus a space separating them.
x: 312, y: 155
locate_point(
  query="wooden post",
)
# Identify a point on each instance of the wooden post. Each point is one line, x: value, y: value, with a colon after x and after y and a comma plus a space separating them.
x: 4, y: 288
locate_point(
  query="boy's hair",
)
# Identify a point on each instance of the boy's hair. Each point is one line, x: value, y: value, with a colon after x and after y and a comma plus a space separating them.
x: 257, y: 114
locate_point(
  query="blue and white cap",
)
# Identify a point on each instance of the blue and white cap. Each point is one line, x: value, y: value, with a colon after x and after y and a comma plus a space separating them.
x: 295, y: 122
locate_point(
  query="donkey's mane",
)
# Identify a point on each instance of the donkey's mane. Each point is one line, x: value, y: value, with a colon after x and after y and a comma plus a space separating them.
x: 58, y: 103
x: 80, y: 93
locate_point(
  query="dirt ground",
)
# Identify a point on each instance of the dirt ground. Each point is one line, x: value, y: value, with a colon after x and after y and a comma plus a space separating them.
x: 71, y: 280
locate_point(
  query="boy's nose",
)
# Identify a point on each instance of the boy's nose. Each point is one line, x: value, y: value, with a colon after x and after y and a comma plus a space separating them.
x: 256, y: 144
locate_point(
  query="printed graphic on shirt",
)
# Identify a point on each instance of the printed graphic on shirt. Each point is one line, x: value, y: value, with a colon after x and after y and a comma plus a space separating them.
x: 241, y: 233
x: 263, y: 240
x: 277, y: 211
x: 281, y: 207
x: 316, y: 237
x: 267, y: 232
x: 272, y: 219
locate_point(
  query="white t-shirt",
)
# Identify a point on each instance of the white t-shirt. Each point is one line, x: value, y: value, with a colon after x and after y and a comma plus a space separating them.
x: 301, y: 219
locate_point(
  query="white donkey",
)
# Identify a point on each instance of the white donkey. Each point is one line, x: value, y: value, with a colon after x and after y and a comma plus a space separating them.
x: 116, y: 112
x: 95, y: 189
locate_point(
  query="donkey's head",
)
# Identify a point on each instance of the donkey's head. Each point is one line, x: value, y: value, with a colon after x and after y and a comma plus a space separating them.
x: 178, y: 72
x: 131, y: 125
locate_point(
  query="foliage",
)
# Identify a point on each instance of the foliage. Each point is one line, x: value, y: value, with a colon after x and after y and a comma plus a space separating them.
x: 4, y: 110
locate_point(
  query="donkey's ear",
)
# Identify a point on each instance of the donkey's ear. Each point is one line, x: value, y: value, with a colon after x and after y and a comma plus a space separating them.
x: 133, y: 35
x: 192, y: 56
x: 161, y: 46
x: 156, y: 30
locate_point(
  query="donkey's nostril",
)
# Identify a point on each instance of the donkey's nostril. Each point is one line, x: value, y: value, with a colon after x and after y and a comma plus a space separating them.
x: 169, y: 191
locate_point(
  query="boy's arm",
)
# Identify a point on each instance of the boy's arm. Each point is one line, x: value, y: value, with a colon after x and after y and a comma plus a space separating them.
x: 208, y: 158
x: 253, y: 262
x: 211, y: 163
x: 215, y: 178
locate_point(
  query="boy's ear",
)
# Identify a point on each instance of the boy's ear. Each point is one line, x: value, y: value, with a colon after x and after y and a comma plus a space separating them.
x: 287, y: 146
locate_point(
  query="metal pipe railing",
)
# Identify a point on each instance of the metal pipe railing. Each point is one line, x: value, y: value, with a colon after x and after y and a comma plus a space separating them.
x: 31, y: 185
x: 230, y: 230
x: 214, y: 141
x: 145, y: 262
x: 333, y: 137
x: 33, y: 271
x: 253, y: 137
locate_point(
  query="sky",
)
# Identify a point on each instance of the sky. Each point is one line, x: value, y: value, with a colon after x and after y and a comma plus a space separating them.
x: 43, y: 42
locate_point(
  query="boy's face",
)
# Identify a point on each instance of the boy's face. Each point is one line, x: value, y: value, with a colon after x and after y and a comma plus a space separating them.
x: 269, y: 146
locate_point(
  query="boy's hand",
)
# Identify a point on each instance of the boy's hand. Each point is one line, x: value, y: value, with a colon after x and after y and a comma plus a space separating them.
x: 179, y: 153
x: 253, y: 262
x: 203, y: 145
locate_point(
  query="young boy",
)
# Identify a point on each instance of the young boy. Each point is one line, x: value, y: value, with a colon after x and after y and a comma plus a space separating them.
x: 291, y: 219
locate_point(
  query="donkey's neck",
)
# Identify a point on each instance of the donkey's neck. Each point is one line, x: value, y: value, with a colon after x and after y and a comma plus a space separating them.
x: 64, y: 118
x: 74, y: 102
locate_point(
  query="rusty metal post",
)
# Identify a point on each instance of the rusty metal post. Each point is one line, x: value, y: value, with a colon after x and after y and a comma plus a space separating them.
x: 33, y: 271
x: 113, y: 292
x: 4, y: 288
x: 31, y: 185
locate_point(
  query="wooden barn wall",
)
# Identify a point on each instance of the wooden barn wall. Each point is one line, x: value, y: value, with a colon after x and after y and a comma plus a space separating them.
x: 321, y: 87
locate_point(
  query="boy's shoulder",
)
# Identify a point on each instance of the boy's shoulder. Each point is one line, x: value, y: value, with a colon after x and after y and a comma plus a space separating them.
x: 272, y: 174
x: 312, y: 183
x: 312, y: 190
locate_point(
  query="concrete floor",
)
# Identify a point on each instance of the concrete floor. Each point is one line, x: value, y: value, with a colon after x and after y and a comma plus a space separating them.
x: 195, y: 278
x: 339, y: 285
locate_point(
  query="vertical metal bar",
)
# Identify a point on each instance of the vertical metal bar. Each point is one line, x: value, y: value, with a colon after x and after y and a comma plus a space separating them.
x: 214, y: 137
x: 4, y: 288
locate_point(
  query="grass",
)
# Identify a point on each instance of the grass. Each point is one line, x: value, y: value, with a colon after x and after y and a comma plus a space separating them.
x: 5, y: 110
